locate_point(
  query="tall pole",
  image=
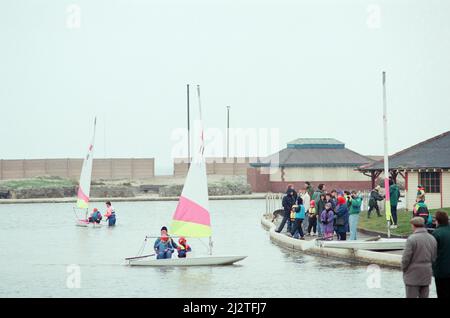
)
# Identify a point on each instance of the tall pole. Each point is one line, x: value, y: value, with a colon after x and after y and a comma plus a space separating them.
x: 386, y: 160
x: 188, y: 127
x: 228, y: 131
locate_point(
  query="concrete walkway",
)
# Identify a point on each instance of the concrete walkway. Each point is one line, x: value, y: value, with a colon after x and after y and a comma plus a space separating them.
x: 309, y: 246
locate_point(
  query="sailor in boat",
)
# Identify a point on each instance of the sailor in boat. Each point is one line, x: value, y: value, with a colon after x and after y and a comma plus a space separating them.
x: 183, y: 248
x: 95, y: 217
x: 110, y: 214
x: 164, y: 246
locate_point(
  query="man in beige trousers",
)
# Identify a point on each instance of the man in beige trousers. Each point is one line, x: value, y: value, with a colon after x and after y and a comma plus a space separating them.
x: 419, y: 254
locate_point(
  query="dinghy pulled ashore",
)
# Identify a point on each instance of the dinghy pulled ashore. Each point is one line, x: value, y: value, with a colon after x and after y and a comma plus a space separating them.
x: 380, y: 244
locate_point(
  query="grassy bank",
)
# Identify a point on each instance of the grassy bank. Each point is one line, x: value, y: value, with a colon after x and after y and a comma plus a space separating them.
x: 38, y: 182
x: 379, y: 223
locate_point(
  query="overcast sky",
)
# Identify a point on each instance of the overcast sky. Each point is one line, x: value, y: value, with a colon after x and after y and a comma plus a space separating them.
x: 308, y: 68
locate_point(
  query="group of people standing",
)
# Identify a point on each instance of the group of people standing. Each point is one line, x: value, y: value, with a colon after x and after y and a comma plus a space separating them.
x: 320, y: 213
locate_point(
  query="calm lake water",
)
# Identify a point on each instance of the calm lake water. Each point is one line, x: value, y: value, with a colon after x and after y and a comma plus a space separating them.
x: 39, y: 244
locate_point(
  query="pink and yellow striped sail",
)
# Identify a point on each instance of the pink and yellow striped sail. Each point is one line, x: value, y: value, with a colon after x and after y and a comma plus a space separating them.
x: 85, y: 177
x: 191, y: 217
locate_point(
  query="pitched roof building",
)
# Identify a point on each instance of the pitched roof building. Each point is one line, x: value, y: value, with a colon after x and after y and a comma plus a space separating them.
x: 317, y: 160
x: 426, y: 163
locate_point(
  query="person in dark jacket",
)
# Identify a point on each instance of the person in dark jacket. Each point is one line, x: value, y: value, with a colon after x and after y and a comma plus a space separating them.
x: 375, y: 196
x: 417, y: 259
x: 341, y: 217
x: 291, y: 188
x: 441, y: 267
x: 309, y: 188
x: 421, y: 210
x: 288, y: 202
x: 320, y: 206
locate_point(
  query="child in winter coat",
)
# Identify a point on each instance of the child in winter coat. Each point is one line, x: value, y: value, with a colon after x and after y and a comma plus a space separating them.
x: 312, y: 219
x: 326, y: 222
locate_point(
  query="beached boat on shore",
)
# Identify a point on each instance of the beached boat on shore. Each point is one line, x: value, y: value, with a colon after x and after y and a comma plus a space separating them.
x: 382, y: 244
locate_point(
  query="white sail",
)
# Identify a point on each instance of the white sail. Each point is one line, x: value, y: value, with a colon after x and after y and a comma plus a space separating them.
x: 84, y: 187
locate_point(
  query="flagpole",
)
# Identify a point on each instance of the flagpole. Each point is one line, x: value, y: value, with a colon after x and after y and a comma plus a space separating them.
x: 386, y: 161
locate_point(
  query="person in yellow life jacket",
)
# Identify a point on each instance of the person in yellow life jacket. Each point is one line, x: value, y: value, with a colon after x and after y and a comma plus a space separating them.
x: 183, y: 248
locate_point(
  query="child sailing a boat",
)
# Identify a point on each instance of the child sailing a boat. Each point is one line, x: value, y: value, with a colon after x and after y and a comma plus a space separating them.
x: 183, y: 248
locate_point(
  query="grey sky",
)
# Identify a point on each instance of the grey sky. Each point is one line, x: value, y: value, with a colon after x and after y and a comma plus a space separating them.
x: 310, y: 68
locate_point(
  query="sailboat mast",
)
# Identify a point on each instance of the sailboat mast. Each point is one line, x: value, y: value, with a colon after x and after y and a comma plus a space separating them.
x: 386, y: 160
x: 201, y: 150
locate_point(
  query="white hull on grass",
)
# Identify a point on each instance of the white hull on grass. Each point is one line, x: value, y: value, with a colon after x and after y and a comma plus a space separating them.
x: 208, y: 260
x: 383, y: 244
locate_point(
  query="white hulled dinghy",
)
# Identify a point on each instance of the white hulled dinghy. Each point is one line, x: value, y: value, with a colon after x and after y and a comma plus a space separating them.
x: 82, y: 205
x: 191, y: 218
x: 378, y: 244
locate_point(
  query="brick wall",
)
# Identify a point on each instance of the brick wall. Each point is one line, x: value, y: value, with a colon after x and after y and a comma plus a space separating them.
x: 220, y: 166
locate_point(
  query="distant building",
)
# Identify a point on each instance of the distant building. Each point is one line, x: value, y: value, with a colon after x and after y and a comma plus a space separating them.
x: 317, y: 160
x: 427, y: 163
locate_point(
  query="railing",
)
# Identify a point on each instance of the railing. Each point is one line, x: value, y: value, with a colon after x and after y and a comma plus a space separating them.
x: 273, y: 202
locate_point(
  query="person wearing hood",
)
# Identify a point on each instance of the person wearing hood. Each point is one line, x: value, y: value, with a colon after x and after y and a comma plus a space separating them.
x: 326, y: 221
x: 341, y: 223
x: 394, y: 193
x: 291, y: 188
x: 95, y: 217
x: 183, y: 248
x: 288, y: 202
x: 375, y: 196
x: 418, y: 256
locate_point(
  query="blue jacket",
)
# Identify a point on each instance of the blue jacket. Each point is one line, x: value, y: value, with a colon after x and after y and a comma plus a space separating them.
x: 300, y: 214
x: 342, y: 212
x: 161, y: 246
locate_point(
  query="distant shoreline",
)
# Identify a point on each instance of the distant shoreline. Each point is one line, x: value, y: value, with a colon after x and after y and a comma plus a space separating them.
x: 255, y: 196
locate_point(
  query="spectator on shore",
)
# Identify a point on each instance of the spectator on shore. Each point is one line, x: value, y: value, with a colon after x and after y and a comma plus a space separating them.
x: 312, y: 219
x: 320, y: 206
x: 341, y: 215
x: 288, y: 202
x: 309, y: 189
x: 291, y: 188
x: 441, y: 267
x: 355, y: 209
x: 394, y: 193
x: 299, y: 216
x: 418, y: 256
x: 375, y: 196
x: 326, y: 222
x: 306, y: 200
x: 420, y: 209
x: 329, y: 199
x: 420, y: 193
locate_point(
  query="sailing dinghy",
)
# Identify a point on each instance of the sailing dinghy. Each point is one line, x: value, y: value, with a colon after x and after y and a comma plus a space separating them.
x: 382, y: 244
x: 191, y: 218
x: 82, y: 205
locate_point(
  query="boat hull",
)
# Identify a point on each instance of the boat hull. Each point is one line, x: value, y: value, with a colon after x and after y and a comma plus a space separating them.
x: 84, y: 223
x: 188, y: 261
x: 379, y: 245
